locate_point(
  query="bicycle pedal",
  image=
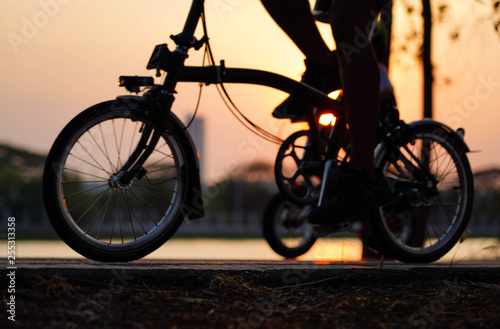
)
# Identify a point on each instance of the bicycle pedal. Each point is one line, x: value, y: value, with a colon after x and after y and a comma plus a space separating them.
x: 323, y: 230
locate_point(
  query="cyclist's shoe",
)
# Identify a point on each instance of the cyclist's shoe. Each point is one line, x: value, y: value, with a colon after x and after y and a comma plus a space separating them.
x: 356, y: 193
x: 322, y: 77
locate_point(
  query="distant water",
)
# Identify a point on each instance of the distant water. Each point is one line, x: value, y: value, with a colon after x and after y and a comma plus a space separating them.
x: 326, y: 249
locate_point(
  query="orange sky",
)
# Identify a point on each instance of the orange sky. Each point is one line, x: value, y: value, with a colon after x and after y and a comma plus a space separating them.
x: 59, y: 57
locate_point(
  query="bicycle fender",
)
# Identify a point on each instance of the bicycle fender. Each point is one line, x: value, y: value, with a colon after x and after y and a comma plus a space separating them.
x: 193, y: 206
x: 455, y: 136
x: 441, y: 128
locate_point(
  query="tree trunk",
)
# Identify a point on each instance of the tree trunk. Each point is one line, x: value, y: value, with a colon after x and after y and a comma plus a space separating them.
x: 426, y: 58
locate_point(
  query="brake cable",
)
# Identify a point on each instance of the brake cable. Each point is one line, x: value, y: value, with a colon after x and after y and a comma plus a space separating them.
x: 244, y: 120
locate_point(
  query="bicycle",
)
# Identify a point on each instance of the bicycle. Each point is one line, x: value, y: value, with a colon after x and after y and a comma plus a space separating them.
x: 122, y: 175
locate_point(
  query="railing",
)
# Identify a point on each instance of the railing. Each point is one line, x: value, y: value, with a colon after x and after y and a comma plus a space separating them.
x: 37, y: 225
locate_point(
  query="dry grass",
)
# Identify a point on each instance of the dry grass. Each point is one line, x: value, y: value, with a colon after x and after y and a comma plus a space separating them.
x: 236, y: 301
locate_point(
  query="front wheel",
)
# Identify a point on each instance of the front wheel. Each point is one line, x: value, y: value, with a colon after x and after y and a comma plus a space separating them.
x: 96, y: 212
x: 433, y: 188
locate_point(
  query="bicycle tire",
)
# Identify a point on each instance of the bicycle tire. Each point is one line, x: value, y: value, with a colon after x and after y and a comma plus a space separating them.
x: 424, y: 223
x: 89, y: 209
x: 285, y: 228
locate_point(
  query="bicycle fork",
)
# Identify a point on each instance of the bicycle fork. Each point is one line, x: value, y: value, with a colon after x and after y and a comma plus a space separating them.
x: 133, y: 167
x: 161, y: 102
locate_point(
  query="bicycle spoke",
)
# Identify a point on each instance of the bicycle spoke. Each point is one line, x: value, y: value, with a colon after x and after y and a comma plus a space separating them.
x: 97, y: 197
x: 157, y: 150
x: 106, y: 156
x: 117, y: 211
x: 89, y: 163
x: 86, y: 174
x: 142, y: 203
x: 135, y: 216
x: 146, y: 190
x: 106, y: 151
x: 161, y: 169
x: 85, y: 191
x: 117, y: 143
x: 133, y: 143
x: 99, y: 166
x: 130, y: 212
x: 103, y: 210
x: 111, y: 234
x: 83, y: 182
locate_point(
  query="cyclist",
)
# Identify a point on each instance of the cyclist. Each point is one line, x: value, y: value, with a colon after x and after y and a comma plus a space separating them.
x: 358, y: 188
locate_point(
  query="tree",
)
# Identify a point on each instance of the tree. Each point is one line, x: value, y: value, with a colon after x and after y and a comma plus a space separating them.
x: 437, y: 13
x: 21, y: 181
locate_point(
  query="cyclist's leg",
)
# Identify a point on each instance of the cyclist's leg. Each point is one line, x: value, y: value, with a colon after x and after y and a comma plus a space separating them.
x: 358, y: 190
x: 359, y: 74
x: 296, y: 20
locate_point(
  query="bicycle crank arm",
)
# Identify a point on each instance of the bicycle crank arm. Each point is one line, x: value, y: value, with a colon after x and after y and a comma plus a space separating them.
x: 327, y: 181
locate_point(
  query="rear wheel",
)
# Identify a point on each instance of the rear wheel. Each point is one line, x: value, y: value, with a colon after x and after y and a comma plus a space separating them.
x: 286, y: 229
x: 431, y: 211
x: 92, y: 208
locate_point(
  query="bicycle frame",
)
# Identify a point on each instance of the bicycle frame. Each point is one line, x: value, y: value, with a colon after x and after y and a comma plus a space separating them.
x: 222, y: 74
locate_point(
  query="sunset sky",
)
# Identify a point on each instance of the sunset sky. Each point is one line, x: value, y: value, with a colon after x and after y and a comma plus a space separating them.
x: 59, y: 57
